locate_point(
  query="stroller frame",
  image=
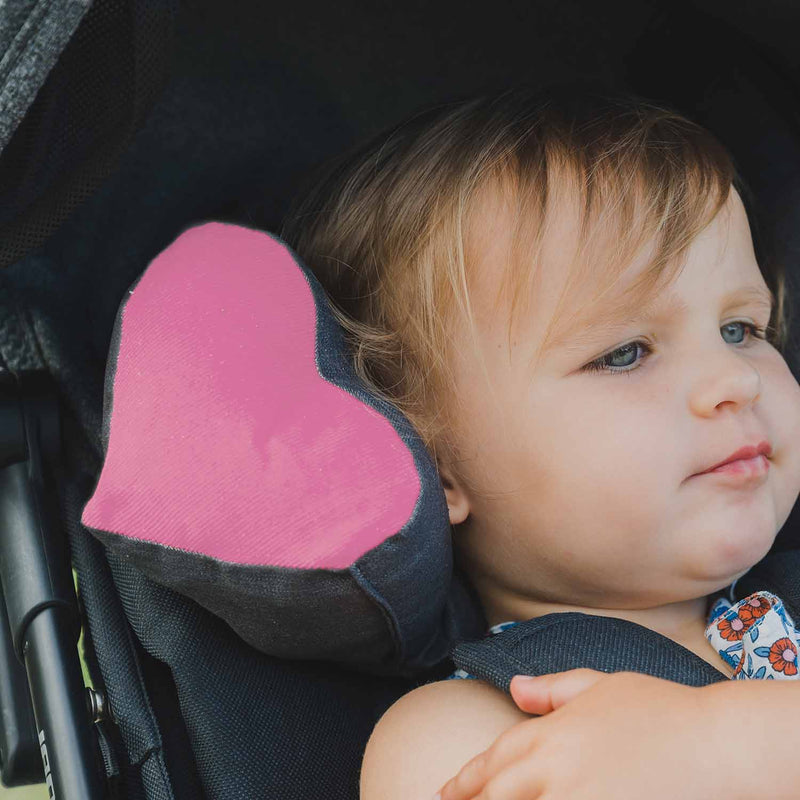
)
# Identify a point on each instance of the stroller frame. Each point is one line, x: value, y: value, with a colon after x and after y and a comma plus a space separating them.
x: 46, y: 735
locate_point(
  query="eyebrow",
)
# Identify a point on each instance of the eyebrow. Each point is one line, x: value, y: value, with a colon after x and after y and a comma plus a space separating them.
x: 620, y: 316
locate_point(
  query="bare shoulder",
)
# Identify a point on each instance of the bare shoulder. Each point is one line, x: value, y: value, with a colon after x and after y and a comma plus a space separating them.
x: 425, y: 738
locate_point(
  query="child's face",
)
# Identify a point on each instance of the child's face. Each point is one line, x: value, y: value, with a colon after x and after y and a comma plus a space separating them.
x: 594, y: 502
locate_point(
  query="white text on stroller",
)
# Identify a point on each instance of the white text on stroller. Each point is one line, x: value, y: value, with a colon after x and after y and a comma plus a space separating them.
x: 47, y: 776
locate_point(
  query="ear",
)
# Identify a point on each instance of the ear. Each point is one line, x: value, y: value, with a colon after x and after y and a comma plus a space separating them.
x: 457, y: 500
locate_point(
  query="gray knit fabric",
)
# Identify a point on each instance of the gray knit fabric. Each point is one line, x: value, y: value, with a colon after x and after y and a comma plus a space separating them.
x: 33, y: 34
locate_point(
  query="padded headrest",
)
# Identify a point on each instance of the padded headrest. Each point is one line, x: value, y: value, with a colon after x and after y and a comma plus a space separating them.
x: 247, y: 467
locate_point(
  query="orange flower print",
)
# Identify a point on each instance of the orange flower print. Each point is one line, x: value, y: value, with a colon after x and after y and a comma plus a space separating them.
x: 733, y: 629
x: 783, y: 656
x: 739, y: 667
x: 754, y: 607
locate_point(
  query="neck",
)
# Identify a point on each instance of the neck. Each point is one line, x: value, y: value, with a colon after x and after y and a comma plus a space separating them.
x: 683, y: 622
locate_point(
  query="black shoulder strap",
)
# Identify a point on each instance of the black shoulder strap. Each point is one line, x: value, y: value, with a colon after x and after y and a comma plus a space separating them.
x: 571, y: 640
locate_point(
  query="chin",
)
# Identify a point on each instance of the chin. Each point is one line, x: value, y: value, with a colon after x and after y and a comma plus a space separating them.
x: 742, y: 556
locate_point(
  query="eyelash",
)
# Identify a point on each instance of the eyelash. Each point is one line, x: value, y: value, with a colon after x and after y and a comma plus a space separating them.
x: 598, y: 364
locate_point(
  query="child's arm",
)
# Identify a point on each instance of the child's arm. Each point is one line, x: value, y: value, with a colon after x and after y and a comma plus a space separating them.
x: 627, y: 735
x: 429, y: 734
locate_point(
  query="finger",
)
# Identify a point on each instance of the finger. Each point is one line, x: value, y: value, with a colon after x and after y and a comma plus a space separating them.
x: 512, y: 744
x: 546, y: 693
x: 523, y: 779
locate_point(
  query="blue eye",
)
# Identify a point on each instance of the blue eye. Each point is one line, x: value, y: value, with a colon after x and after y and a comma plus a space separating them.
x: 627, y: 351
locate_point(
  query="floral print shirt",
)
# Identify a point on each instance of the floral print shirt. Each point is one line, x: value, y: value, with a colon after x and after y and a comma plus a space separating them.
x: 756, y: 636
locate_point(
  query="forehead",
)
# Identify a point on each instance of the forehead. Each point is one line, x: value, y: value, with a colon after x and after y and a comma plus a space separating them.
x: 493, y: 227
x: 565, y: 290
x: 720, y: 264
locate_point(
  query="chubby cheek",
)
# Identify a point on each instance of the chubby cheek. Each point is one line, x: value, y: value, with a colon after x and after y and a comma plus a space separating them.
x: 618, y: 442
x: 784, y: 430
x: 618, y: 464
x: 593, y: 472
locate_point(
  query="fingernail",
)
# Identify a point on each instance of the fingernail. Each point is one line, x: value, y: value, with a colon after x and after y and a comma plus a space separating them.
x: 437, y: 796
x: 526, y: 679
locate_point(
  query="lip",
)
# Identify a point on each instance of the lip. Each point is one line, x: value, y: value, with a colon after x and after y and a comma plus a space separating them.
x: 744, y: 473
x: 749, y: 453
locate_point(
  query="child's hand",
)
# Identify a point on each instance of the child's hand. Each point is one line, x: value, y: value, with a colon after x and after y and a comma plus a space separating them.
x: 613, y: 736
x: 546, y: 693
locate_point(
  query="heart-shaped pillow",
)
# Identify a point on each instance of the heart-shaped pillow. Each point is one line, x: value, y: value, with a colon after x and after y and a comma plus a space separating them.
x: 247, y: 467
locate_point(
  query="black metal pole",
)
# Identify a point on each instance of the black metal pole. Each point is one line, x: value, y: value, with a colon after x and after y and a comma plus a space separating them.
x: 36, y: 575
x: 19, y: 744
x: 59, y: 706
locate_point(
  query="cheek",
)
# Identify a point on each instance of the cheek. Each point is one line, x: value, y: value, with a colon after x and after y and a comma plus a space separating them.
x: 613, y: 439
x: 494, y: 440
x: 601, y: 457
x: 616, y: 464
x: 781, y: 398
x: 782, y: 389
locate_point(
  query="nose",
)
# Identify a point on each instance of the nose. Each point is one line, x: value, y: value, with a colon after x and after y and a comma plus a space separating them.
x: 726, y: 378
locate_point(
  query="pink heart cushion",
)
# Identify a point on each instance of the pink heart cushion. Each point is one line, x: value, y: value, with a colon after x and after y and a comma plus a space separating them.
x: 247, y: 467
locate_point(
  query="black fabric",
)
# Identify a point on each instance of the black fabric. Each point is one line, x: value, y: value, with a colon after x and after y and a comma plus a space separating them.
x: 253, y: 725
x: 240, y: 724
x: 33, y: 36
x: 778, y: 573
x: 118, y: 654
x: 571, y: 640
x: 259, y: 726
x: 395, y: 609
x: 83, y: 118
x: 163, y: 695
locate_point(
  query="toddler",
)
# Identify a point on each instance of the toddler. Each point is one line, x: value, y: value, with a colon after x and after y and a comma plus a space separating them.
x: 559, y: 289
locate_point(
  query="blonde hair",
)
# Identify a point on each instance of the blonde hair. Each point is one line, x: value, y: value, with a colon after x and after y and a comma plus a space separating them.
x: 384, y: 227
